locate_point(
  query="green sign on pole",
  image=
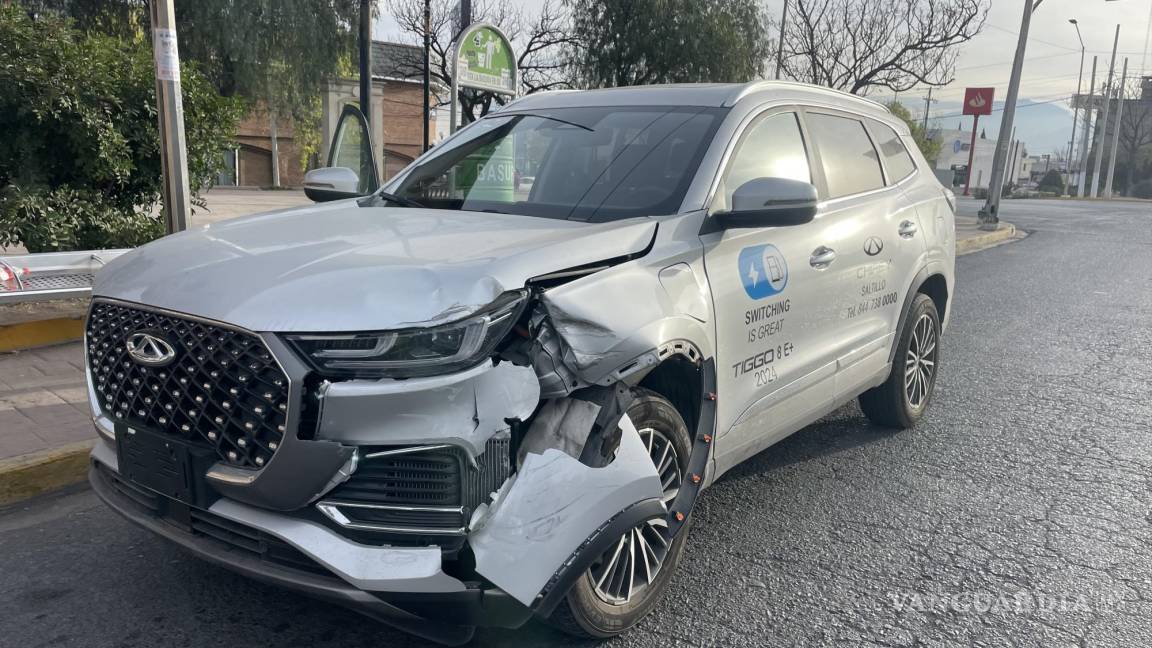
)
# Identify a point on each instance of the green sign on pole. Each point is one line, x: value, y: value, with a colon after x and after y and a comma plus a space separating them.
x: 483, y: 59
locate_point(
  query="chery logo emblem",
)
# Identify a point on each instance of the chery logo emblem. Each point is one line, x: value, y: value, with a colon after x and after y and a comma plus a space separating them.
x: 873, y: 246
x: 148, y: 349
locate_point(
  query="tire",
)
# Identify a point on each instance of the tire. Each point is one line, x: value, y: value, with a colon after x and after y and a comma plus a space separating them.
x: 897, y: 403
x: 587, y: 611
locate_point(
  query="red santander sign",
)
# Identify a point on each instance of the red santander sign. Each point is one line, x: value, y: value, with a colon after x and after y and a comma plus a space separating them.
x: 978, y: 101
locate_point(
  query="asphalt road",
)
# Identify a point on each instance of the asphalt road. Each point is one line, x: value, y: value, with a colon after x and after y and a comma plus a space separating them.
x: 1018, y: 514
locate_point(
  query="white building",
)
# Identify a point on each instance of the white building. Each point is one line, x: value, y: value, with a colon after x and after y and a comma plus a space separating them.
x: 955, y: 146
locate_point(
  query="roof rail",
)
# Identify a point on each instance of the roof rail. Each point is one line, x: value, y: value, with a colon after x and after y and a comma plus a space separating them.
x: 758, y: 86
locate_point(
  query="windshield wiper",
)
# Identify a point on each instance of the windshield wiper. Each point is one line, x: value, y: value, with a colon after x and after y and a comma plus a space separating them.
x: 556, y: 119
x: 374, y: 200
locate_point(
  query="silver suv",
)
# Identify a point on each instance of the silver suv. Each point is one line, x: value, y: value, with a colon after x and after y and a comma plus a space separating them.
x: 494, y: 388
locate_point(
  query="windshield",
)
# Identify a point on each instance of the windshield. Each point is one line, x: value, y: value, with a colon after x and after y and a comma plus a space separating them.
x: 597, y: 164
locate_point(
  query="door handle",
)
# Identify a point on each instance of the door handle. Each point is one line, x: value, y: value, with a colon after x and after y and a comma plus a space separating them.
x: 908, y: 229
x: 822, y: 257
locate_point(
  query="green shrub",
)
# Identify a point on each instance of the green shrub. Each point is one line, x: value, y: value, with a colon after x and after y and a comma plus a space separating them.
x: 80, y: 153
x: 1052, y: 182
x: 1142, y: 189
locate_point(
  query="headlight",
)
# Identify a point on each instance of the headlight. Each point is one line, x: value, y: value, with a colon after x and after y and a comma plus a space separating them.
x: 410, y: 353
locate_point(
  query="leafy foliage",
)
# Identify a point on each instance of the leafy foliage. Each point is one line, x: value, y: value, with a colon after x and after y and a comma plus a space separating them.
x: 928, y: 146
x: 1142, y: 189
x: 1052, y: 181
x: 80, y: 157
x: 639, y: 42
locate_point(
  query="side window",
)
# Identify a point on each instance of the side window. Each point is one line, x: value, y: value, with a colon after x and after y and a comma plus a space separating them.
x: 851, y: 163
x: 896, y: 156
x: 771, y: 148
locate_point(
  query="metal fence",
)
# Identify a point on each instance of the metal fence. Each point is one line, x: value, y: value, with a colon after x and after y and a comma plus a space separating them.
x: 51, y: 275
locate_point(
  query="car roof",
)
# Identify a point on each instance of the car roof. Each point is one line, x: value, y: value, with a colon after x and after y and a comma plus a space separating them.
x: 716, y: 95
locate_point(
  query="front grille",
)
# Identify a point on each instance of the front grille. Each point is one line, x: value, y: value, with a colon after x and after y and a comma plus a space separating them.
x: 226, y: 534
x: 429, y: 490
x: 222, y: 389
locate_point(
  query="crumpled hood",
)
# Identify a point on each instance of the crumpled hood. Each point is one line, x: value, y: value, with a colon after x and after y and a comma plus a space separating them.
x: 341, y: 267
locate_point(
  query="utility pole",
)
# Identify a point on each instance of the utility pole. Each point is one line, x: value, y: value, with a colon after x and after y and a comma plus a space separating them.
x: 1116, y: 129
x: 927, y: 107
x: 1075, y: 106
x: 366, y: 60
x: 990, y: 213
x: 1087, y: 127
x: 427, y: 80
x: 170, y: 112
x: 1103, y: 132
x: 780, y: 45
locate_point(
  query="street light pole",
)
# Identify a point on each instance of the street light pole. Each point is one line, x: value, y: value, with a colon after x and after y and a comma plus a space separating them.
x: 990, y: 213
x: 366, y: 60
x: 170, y: 110
x: 1075, y: 106
x: 1103, y: 132
x: 1116, y: 129
x: 780, y: 45
x: 427, y: 57
x: 1083, y: 181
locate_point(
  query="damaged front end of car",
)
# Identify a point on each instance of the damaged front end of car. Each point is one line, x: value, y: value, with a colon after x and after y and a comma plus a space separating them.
x: 440, y: 477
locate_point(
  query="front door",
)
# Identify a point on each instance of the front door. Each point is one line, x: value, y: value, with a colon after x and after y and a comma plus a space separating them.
x: 352, y: 149
x: 769, y: 289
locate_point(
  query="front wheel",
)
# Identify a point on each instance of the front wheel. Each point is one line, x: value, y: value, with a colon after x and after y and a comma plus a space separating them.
x: 623, y: 585
x: 903, y: 399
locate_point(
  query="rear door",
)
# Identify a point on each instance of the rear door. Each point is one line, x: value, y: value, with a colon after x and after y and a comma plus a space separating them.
x: 875, y: 241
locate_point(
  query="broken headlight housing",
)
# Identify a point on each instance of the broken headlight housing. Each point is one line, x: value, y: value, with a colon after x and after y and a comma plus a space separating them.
x: 416, y: 352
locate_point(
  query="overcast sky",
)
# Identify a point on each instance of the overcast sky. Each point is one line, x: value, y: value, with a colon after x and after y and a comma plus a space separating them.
x: 1053, y: 59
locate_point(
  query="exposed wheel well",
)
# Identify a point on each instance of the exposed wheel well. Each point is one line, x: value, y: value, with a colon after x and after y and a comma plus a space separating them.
x: 678, y: 379
x: 937, y: 289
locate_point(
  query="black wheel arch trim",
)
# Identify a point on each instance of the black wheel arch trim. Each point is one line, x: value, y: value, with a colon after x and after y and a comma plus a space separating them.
x: 676, y: 515
x: 918, y: 282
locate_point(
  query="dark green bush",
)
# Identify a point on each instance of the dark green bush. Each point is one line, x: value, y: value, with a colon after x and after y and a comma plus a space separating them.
x: 1142, y: 189
x: 80, y: 153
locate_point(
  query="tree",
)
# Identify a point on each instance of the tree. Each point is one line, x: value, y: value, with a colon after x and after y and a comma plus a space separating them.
x: 1052, y: 182
x: 640, y: 42
x: 80, y: 152
x: 928, y: 146
x: 539, y: 40
x: 1135, y: 133
x: 275, y: 53
x: 856, y: 45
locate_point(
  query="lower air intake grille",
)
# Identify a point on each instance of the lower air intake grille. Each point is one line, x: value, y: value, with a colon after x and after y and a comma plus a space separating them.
x: 429, y: 489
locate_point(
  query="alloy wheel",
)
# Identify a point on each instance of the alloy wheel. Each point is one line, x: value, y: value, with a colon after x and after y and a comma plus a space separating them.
x: 920, y: 363
x: 632, y: 563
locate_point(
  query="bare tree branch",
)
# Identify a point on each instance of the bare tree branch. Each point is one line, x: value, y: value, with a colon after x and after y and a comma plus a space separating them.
x: 856, y: 45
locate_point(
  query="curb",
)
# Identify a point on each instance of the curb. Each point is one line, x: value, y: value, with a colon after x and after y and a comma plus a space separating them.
x: 972, y: 244
x: 29, y: 335
x: 32, y: 474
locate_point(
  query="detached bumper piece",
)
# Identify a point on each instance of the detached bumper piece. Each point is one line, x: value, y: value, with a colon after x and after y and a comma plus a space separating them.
x: 445, y: 617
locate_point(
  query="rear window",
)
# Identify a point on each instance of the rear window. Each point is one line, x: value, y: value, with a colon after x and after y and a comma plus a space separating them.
x: 897, y: 159
x: 851, y: 163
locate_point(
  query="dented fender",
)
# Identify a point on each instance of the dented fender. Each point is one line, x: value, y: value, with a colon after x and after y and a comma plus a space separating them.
x: 608, y: 320
x: 551, y: 507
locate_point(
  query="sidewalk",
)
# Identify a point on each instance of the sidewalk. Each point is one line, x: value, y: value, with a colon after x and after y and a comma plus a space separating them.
x: 45, y: 421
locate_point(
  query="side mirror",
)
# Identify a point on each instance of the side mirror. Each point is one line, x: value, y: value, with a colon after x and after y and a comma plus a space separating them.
x: 770, y: 202
x: 331, y: 183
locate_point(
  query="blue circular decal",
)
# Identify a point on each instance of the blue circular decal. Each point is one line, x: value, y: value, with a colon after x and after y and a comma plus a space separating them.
x: 763, y: 271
